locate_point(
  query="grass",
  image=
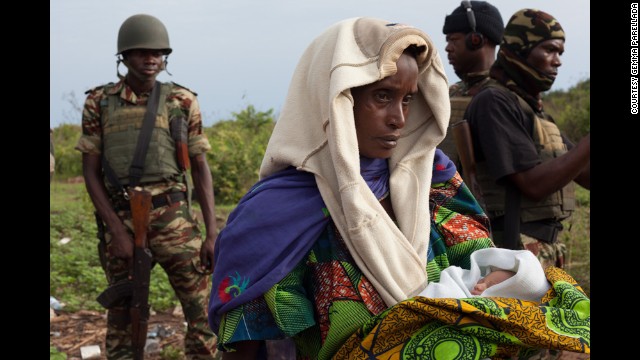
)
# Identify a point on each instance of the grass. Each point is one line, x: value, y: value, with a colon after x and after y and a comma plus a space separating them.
x: 577, y: 237
x: 76, y: 277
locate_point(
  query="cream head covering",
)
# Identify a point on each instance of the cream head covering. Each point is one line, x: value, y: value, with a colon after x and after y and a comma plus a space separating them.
x: 316, y: 133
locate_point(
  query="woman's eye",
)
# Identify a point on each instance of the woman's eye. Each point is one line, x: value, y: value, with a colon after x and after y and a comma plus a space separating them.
x: 382, y: 96
x: 407, y: 99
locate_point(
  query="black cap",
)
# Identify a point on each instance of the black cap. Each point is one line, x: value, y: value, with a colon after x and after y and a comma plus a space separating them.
x: 488, y: 21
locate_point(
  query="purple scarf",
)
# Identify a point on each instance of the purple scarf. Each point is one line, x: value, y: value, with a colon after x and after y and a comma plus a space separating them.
x: 443, y: 168
x: 275, y: 225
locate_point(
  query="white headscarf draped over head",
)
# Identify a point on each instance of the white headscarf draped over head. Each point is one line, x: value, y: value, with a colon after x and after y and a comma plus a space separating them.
x: 316, y: 133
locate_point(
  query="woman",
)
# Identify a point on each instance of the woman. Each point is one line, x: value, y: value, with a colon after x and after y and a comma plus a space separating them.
x: 338, y: 228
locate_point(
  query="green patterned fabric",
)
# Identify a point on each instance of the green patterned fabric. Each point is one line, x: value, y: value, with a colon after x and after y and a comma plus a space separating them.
x: 326, y: 298
x: 459, y: 227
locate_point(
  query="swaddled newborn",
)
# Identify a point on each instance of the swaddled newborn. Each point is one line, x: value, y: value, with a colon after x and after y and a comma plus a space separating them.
x: 494, y: 272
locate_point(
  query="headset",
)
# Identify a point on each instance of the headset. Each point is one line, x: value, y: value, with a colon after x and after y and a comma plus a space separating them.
x: 473, y: 40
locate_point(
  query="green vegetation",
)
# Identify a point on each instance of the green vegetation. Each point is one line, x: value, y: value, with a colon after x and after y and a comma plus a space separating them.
x: 171, y: 352
x: 237, y: 148
x: 68, y: 160
x: 577, y: 236
x: 571, y: 109
x: 54, y: 354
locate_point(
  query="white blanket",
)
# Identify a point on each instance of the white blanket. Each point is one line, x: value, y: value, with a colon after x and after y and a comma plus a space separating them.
x: 529, y: 282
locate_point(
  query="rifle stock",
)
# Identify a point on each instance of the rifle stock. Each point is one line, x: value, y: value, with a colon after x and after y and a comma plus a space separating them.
x: 140, y: 201
x: 464, y: 146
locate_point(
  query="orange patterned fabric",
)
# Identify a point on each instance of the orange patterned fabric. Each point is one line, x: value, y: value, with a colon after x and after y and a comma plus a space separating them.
x: 476, y: 328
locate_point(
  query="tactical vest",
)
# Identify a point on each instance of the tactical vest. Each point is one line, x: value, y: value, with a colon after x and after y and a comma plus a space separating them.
x: 548, y: 141
x: 121, y: 124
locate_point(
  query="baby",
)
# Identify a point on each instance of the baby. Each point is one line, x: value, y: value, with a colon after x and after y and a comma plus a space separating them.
x: 495, y: 277
x: 493, y: 272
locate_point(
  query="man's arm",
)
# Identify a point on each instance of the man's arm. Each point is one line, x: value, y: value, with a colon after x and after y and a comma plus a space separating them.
x: 584, y: 178
x: 540, y: 181
x: 121, y: 244
x: 203, y: 184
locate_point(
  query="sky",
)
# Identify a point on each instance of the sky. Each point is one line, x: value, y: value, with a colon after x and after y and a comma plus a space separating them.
x: 243, y: 52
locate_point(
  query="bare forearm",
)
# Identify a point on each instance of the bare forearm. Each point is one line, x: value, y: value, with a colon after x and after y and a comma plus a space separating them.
x: 544, y: 179
x: 203, y: 184
x: 584, y: 179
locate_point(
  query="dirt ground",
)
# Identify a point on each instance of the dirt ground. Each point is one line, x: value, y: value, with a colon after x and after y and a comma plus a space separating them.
x: 70, y: 332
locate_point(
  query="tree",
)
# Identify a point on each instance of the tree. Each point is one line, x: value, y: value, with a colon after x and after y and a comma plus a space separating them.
x: 571, y: 109
x: 237, y: 147
x: 68, y: 159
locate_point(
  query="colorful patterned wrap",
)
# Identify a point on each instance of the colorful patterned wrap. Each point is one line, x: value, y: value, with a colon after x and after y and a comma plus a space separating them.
x: 325, y: 298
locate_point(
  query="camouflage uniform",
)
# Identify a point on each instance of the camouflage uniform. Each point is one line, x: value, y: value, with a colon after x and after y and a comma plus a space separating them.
x: 174, y: 237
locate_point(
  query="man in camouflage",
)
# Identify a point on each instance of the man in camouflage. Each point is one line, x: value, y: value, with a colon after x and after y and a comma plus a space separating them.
x: 525, y: 167
x: 111, y: 122
x: 471, y: 52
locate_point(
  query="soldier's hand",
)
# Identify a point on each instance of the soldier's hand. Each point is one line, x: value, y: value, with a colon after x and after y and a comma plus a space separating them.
x: 121, y: 245
x: 206, y: 255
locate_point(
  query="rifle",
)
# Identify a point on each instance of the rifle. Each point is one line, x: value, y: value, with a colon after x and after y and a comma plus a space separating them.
x: 140, y: 201
x: 135, y: 290
x: 464, y: 146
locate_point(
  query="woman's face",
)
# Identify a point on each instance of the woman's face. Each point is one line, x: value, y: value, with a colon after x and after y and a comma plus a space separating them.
x: 381, y: 109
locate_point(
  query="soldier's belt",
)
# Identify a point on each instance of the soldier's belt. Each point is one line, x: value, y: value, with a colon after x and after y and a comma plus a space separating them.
x: 159, y: 200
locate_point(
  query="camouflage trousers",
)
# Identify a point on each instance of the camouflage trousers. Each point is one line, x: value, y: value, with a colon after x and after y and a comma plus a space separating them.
x: 548, y: 254
x: 175, y: 242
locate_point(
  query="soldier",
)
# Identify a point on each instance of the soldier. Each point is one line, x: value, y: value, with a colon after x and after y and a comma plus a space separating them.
x: 525, y: 167
x: 111, y: 123
x: 473, y: 30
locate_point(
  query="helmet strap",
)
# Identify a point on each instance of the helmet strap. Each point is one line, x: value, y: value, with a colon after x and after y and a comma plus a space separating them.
x: 164, y: 65
x: 120, y: 76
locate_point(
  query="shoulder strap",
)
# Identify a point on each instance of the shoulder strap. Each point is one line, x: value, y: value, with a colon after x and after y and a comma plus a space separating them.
x: 136, y: 170
x: 512, y: 197
x: 512, y: 216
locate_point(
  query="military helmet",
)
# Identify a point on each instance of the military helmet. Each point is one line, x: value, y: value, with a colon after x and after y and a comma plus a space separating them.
x: 143, y: 31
